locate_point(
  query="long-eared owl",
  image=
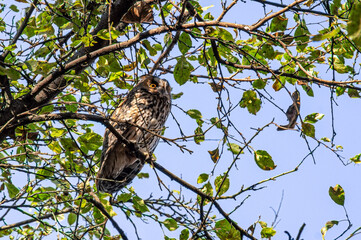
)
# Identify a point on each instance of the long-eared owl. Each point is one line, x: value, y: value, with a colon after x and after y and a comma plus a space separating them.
x: 140, y: 117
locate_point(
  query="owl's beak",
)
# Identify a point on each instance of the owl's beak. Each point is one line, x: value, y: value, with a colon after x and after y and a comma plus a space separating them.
x: 164, y: 90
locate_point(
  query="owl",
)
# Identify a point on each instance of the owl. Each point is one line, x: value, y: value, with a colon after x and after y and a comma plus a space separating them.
x: 292, y: 112
x: 140, y: 118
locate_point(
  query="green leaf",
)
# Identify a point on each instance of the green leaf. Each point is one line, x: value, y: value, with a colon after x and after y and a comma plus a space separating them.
x: 194, y: 113
x: 313, y: 117
x: 55, y: 147
x: 279, y: 23
x: 68, y: 144
x: 328, y: 35
x: 221, y: 189
x: 202, y: 178
x: 45, y: 173
x: 267, y: 51
x: 337, y: 194
x: 267, y: 232
x: 327, y: 226
x: 171, y: 224
x: 340, y: 91
x: 278, y: 84
x: 143, y: 175
x: 184, y: 234
x: 234, y: 148
x: 71, y: 218
x: 14, y: 8
x: 308, y: 129
x: 177, y: 95
x: 199, y: 135
x: 353, y: 93
x: 207, y: 189
x: 302, y: 36
x: 225, y: 231
x: 259, y: 84
x: 326, y: 139
x: 12, y: 190
x: 152, y: 51
x: 182, y: 70
x: 92, y: 141
x: 354, y: 23
x: 225, y: 35
x: 98, y: 215
x: 214, y: 154
x: 308, y: 90
x: 46, y: 109
x: 356, y: 159
x: 124, y: 197
x: 13, y: 74
x: 339, y: 64
x: 70, y: 107
x: 250, y: 101
x: 139, y: 204
x: 57, y: 132
x: 184, y: 42
x: 264, y: 160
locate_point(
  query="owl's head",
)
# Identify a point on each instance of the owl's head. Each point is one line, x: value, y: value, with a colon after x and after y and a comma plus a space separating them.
x: 154, y: 85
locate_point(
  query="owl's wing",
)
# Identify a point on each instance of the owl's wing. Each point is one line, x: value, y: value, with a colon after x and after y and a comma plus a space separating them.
x: 118, y: 164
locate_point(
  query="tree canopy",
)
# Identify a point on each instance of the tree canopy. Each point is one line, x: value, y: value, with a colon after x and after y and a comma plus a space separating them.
x: 235, y: 68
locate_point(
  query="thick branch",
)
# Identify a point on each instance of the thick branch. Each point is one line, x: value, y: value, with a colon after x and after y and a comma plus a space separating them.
x: 51, y: 86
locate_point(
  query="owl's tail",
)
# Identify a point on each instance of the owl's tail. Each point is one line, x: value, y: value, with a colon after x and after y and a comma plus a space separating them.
x: 112, y: 184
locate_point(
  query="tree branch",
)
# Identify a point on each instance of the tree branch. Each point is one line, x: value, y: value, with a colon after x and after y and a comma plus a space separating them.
x: 49, y: 215
x: 95, y: 200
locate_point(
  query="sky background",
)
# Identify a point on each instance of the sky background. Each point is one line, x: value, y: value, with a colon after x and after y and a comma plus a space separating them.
x: 304, y: 194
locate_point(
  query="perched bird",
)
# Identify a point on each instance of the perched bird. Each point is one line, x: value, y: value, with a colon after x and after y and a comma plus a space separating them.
x: 292, y: 112
x: 140, y: 117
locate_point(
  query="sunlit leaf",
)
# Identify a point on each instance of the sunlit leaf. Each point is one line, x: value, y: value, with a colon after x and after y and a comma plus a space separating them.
x: 225, y: 231
x: 139, y: 204
x: 214, y: 154
x: 12, y: 190
x: 194, y: 113
x: 45, y: 173
x: 199, y: 135
x: 251, y: 101
x: 354, y: 23
x: 279, y: 23
x: 264, y: 160
x: 184, y: 234
x: 182, y: 71
x: 327, y: 226
x: 313, y: 117
x: 221, y: 184
x: 337, y: 194
x: 171, y: 224
x: 308, y: 129
x: 92, y: 141
x: 356, y: 159
x: 267, y: 232
x: 202, y: 178
x: 184, y: 43
x: 71, y: 218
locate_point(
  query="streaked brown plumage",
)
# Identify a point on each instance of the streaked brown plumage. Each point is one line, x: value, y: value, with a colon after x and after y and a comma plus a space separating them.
x: 146, y: 107
x: 292, y: 112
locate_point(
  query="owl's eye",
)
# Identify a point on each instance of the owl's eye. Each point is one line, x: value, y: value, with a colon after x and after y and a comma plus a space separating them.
x: 152, y: 85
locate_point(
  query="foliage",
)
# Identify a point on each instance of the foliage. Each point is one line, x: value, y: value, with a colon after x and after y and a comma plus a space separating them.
x: 65, y: 65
